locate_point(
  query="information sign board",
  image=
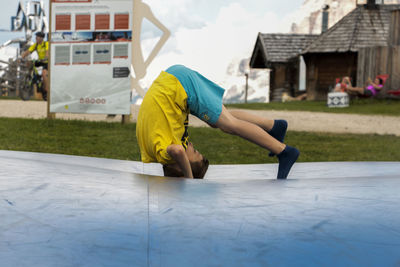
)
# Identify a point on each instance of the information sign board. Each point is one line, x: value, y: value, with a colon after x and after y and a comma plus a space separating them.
x: 90, y: 56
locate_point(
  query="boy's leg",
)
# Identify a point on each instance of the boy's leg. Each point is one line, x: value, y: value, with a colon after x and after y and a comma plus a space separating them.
x: 264, y: 123
x: 276, y: 128
x: 254, y: 133
x: 248, y: 130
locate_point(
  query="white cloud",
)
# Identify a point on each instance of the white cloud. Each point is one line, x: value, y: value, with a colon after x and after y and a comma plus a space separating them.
x: 212, y: 47
x: 176, y: 14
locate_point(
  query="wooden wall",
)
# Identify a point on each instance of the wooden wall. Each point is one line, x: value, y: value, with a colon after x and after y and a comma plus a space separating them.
x: 394, y: 31
x: 284, y: 77
x: 373, y: 61
x: 324, y: 68
x: 279, y: 76
x: 293, y: 75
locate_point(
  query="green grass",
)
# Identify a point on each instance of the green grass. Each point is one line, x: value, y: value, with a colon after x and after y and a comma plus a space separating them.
x: 113, y: 140
x: 95, y: 139
x: 357, y: 106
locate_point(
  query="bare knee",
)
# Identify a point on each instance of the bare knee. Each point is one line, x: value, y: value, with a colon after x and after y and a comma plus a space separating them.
x: 212, y: 125
x: 227, y: 122
x: 227, y: 130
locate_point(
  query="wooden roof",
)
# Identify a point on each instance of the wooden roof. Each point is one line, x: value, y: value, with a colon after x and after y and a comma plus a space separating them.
x: 360, y: 28
x: 278, y: 48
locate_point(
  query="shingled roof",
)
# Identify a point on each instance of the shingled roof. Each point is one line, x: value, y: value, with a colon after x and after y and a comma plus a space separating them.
x: 278, y: 48
x: 360, y: 28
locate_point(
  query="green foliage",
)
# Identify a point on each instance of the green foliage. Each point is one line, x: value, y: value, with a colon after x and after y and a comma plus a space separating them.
x: 221, y: 148
x: 113, y: 140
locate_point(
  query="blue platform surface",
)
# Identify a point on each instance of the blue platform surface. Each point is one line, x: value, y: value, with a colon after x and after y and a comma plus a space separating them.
x: 59, y: 210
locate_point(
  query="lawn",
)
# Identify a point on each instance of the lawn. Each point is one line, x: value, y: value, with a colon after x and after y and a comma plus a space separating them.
x: 357, y: 106
x: 117, y: 141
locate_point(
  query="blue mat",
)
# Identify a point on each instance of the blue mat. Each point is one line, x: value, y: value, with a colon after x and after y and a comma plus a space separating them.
x: 59, y: 210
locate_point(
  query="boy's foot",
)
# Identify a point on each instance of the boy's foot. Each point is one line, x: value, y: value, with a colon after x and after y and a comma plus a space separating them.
x: 286, y: 160
x: 278, y: 131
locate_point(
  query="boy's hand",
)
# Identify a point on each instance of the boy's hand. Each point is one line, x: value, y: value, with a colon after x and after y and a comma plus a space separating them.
x: 177, y: 152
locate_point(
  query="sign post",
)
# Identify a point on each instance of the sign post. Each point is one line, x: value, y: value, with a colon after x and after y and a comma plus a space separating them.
x: 90, y: 56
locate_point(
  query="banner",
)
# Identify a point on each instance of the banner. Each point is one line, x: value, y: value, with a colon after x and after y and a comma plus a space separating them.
x: 90, y: 56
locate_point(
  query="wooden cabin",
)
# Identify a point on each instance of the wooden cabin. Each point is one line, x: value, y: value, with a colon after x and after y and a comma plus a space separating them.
x: 360, y: 45
x: 280, y: 54
x: 363, y: 44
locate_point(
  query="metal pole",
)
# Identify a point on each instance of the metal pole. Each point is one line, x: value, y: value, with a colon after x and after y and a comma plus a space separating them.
x: 50, y: 115
x: 247, y: 87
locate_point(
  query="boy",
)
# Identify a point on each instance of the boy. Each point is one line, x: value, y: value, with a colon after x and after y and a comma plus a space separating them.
x: 163, y: 120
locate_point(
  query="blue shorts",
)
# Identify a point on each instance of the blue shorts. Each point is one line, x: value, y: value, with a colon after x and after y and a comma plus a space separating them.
x: 204, y: 97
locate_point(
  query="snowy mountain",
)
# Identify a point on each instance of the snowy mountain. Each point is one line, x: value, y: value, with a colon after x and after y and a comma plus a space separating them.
x: 235, y: 83
x: 308, y: 19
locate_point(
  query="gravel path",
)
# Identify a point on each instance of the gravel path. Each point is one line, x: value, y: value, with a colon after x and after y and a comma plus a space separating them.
x: 298, y: 120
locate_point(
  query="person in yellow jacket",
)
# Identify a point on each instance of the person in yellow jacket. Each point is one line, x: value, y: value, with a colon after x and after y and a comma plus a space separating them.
x: 42, y: 49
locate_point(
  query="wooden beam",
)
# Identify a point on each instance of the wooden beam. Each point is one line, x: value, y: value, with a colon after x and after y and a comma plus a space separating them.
x: 394, y: 31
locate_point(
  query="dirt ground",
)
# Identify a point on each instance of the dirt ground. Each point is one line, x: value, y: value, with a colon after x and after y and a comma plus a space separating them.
x: 298, y: 120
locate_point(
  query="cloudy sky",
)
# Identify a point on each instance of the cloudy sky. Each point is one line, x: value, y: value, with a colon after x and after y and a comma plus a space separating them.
x: 207, y: 35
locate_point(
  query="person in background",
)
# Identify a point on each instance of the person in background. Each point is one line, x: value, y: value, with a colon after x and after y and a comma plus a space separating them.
x: 41, y: 47
x: 372, y: 88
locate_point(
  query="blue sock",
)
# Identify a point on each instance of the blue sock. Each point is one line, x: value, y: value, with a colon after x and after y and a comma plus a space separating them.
x: 286, y: 160
x: 278, y: 131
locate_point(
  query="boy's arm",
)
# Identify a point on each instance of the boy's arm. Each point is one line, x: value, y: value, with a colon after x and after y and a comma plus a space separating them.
x: 177, y: 152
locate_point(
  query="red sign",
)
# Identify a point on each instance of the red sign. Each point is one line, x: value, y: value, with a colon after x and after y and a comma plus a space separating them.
x: 102, y: 22
x: 82, y: 22
x: 63, y: 22
x: 121, y: 21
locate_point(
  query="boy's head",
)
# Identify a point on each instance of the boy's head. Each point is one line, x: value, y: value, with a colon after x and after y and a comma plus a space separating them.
x: 198, y: 163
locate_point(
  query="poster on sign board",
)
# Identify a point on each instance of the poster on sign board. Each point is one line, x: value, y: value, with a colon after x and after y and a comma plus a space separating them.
x: 90, y: 56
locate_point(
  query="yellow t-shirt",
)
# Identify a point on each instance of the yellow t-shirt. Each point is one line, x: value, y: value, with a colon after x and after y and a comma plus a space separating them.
x: 162, y: 119
x: 40, y: 49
